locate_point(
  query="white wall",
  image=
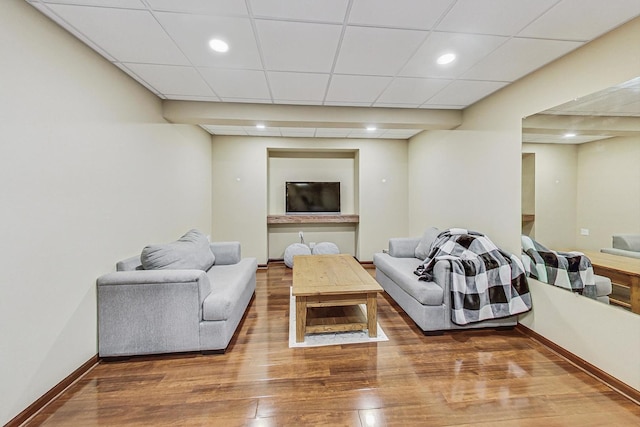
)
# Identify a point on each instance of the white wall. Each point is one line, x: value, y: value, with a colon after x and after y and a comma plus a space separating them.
x: 556, y: 177
x: 310, y: 167
x: 240, y: 207
x: 608, y: 193
x: 610, y: 60
x: 457, y: 179
x: 90, y: 174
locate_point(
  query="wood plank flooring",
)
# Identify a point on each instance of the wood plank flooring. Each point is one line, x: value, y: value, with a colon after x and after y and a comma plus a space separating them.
x: 479, y: 378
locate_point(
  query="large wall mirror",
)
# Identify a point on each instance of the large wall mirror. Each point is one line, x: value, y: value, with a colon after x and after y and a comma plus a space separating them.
x: 581, y: 173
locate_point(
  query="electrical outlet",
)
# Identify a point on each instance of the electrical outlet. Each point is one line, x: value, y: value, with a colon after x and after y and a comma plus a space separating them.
x: 584, y: 231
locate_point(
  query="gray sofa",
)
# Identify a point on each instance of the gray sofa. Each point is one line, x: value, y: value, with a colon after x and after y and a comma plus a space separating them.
x: 624, y: 244
x: 427, y: 303
x: 174, y: 310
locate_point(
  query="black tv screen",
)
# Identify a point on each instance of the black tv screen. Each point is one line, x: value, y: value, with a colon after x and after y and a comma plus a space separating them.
x: 312, y: 197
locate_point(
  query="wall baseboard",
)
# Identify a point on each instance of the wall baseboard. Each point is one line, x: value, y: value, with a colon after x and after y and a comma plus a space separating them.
x: 594, y: 371
x: 49, y: 396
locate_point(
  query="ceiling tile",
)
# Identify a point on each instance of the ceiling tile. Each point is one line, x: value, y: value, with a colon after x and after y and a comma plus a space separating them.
x: 356, y: 89
x: 332, y: 132
x: 298, y: 86
x: 376, y: 51
x: 237, y: 83
x: 559, y: 139
x: 172, y: 80
x: 304, y: 10
x: 293, y: 46
x: 495, y: 17
x: 582, y: 19
x: 193, y: 32
x: 121, y: 4
x: 469, y: 49
x: 298, y: 132
x: 431, y: 106
x: 114, y: 29
x: 211, y: 98
x: 519, y: 57
x: 418, y: 14
x: 465, y: 92
x: 268, y: 131
x: 411, y: 90
x: 363, y: 133
x: 392, y: 105
x: 207, y: 7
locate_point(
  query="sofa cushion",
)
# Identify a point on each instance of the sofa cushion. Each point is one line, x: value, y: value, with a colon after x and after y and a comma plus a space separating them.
x: 400, y: 270
x: 424, y: 247
x: 228, y: 282
x: 191, y: 251
x: 603, y: 285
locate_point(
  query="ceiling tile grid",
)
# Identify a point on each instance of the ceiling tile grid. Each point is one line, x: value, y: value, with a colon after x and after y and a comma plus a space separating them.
x: 368, y: 53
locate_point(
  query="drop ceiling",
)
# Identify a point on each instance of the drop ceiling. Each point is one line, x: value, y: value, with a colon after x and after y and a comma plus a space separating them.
x: 356, y: 53
x: 602, y: 115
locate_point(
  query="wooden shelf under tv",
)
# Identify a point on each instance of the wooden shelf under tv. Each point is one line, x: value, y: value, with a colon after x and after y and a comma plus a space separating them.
x: 528, y: 218
x: 313, y: 219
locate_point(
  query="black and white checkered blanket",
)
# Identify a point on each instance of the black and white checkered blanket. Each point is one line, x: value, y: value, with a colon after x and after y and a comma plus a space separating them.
x: 569, y: 270
x: 486, y: 282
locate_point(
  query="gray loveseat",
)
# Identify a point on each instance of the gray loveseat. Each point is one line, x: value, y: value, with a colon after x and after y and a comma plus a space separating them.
x: 427, y: 303
x: 624, y: 244
x: 150, y: 311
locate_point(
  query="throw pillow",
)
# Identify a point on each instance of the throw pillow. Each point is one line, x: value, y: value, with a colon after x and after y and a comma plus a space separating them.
x: 190, y: 252
x: 424, y: 247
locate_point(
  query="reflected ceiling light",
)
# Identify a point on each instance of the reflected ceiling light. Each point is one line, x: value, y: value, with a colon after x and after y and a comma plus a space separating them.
x: 218, y: 45
x: 371, y: 128
x: 260, y: 126
x: 569, y: 135
x: 447, y: 58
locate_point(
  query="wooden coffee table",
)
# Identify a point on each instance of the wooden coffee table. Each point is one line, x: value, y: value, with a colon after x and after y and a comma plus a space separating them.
x: 623, y: 271
x: 322, y: 281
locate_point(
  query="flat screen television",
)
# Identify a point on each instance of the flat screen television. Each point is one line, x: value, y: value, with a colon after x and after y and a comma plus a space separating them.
x: 312, y: 197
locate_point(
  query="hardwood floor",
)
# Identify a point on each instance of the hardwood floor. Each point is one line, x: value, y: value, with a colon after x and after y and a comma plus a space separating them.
x: 479, y: 378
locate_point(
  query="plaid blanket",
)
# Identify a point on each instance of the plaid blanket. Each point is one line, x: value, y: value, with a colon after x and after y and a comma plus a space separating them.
x: 486, y: 283
x: 569, y: 270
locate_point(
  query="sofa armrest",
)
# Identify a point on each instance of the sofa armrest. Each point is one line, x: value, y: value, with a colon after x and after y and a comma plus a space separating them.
x: 150, y: 311
x: 158, y: 277
x: 403, y: 247
x: 621, y: 252
x: 226, y: 253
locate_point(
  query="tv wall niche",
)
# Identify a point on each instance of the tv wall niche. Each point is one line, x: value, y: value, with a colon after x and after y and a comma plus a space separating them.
x: 311, y: 166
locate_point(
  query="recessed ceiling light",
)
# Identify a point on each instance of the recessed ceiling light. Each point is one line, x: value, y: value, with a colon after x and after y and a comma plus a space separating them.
x: 371, y: 128
x: 260, y: 126
x: 447, y: 58
x: 218, y: 45
x: 569, y: 135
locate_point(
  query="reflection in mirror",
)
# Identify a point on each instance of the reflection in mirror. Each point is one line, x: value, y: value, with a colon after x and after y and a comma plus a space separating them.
x: 581, y: 183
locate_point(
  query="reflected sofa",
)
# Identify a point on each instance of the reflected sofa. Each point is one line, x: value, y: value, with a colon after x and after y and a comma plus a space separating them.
x: 624, y: 244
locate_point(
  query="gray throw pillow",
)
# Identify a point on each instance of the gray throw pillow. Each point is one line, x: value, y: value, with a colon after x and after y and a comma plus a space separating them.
x: 424, y: 247
x: 190, y: 252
